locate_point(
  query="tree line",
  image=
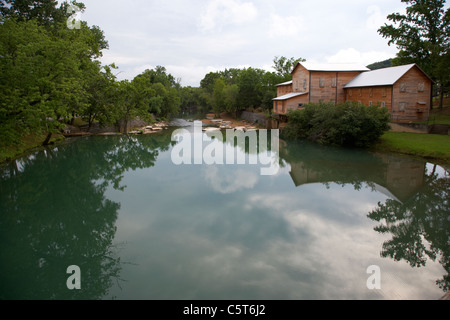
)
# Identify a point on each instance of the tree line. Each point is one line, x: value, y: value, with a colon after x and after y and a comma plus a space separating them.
x: 234, y: 90
x: 51, y: 74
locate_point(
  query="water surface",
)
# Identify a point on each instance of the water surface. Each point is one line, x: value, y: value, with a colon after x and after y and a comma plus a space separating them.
x: 140, y: 227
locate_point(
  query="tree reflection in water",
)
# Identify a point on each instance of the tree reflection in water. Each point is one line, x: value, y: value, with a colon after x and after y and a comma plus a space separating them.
x: 420, y: 226
x: 417, y: 213
x: 54, y: 214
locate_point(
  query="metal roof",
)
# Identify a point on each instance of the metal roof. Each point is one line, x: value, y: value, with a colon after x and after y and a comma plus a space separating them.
x: 332, y: 67
x: 380, y: 77
x: 284, y: 83
x: 289, y: 96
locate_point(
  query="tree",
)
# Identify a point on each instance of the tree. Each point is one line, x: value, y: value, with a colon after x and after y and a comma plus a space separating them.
x: 346, y: 124
x: 43, y: 76
x: 100, y: 84
x: 219, y: 97
x: 284, y: 66
x: 380, y: 65
x: 231, y: 93
x: 419, y: 227
x: 250, y: 88
x: 422, y: 36
x: 132, y: 101
x: 209, y: 81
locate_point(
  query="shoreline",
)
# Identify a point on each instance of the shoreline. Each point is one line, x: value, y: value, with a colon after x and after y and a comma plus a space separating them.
x: 225, y: 122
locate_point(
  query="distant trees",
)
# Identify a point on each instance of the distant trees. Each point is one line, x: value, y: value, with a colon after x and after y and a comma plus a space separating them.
x: 423, y: 36
x: 234, y: 90
x: 380, y: 65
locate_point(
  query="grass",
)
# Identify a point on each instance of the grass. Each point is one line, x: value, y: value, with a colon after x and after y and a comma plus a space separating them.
x: 440, y: 117
x: 28, y: 142
x: 427, y: 146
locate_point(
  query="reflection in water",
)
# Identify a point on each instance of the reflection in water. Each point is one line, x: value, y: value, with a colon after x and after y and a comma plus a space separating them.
x: 215, y: 232
x: 400, y: 177
x: 55, y: 214
x: 417, y: 213
x: 420, y: 227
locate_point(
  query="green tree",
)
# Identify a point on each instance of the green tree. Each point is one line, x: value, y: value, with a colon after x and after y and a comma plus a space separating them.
x: 251, y: 85
x: 347, y: 124
x: 419, y: 227
x: 209, y: 81
x: 219, y: 97
x: 284, y: 66
x: 43, y: 76
x: 100, y: 86
x: 44, y: 11
x: 422, y: 36
x: 231, y: 95
x: 132, y: 101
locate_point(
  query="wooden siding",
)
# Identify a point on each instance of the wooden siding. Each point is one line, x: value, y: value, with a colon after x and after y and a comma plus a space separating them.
x: 283, y: 90
x: 343, y: 79
x: 284, y: 106
x: 381, y: 95
x: 407, y: 100
x: 412, y: 97
x: 300, y: 79
x: 328, y: 86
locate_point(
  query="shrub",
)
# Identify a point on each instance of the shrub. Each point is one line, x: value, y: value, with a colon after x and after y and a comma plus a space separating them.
x: 346, y: 124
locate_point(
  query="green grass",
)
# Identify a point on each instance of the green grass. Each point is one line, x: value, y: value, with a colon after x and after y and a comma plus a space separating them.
x: 428, y: 146
x: 439, y: 118
x: 28, y: 142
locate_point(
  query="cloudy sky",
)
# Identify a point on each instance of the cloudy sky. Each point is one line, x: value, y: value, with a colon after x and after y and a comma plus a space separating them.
x: 192, y: 38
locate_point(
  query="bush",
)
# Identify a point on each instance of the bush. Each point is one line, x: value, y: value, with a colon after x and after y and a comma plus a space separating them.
x: 346, y: 124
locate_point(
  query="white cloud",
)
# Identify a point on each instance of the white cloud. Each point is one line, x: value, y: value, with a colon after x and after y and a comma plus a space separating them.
x: 220, y: 13
x: 354, y: 56
x: 285, y: 26
x: 230, y: 183
x: 376, y: 18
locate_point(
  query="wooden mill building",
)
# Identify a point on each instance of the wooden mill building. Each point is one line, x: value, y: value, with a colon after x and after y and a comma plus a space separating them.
x: 404, y: 90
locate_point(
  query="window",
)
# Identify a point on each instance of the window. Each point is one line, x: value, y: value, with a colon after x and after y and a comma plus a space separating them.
x: 421, y: 87
x: 383, y: 104
x: 371, y: 92
x: 403, y: 87
x: 322, y: 82
x: 401, y: 106
x: 370, y: 103
x: 334, y: 82
x: 350, y: 93
x: 304, y: 84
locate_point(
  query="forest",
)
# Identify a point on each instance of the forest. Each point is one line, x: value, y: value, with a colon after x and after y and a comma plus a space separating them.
x: 52, y: 75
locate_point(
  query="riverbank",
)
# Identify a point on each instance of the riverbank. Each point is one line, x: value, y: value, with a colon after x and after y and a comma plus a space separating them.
x: 27, y: 144
x: 429, y: 147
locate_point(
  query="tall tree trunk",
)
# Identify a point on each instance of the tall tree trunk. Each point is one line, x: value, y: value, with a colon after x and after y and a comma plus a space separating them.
x: 73, y: 118
x: 47, y: 140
